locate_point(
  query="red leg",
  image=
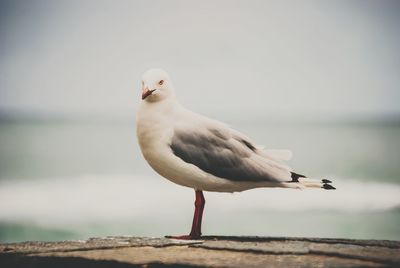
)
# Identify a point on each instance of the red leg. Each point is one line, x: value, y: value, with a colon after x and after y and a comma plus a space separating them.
x: 198, y: 215
x: 195, y: 233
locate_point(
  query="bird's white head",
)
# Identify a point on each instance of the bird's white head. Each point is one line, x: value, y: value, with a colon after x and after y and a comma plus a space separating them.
x: 156, y: 85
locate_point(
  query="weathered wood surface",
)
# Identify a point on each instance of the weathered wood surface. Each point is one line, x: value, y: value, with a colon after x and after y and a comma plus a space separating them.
x: 213, y: 251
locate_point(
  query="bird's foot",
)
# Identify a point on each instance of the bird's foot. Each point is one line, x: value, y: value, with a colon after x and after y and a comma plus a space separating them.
x: 184, y: 237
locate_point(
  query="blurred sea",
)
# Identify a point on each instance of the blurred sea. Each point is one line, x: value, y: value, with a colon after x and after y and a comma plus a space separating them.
x: 65, y: 179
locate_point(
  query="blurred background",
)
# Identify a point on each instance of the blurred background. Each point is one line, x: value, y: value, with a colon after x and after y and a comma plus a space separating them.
x: 321, y: 78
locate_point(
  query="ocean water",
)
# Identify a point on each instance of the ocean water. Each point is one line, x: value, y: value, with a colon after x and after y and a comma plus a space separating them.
x: 78, y: 179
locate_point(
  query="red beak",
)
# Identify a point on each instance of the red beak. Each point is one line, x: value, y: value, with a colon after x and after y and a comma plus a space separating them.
x: 146, y: 92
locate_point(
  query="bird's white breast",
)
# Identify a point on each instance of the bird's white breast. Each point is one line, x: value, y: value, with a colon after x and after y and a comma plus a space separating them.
x: 154, y: 128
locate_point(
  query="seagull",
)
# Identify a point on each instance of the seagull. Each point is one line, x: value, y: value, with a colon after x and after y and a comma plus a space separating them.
x: 204, y: 154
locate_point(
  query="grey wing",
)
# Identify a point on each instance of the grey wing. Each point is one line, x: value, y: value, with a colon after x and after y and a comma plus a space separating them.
x: 226, y: 155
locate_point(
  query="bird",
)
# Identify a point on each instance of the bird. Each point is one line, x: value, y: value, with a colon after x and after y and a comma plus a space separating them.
x: 198, y: 152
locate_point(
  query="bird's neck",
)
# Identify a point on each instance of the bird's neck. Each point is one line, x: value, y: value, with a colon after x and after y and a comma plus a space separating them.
x: 165, y: 106
x: 154, y: 115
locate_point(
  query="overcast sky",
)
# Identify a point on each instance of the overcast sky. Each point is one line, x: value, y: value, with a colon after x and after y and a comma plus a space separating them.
x: 226, y: 58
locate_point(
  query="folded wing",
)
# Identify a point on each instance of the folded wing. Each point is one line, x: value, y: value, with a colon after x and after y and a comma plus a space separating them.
x: 227, y: 154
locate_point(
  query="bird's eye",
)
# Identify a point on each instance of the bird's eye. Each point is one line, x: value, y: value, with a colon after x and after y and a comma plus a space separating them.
x: 161, y: 82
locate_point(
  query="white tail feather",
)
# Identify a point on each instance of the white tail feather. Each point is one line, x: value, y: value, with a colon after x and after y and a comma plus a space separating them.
x: 310, y: 183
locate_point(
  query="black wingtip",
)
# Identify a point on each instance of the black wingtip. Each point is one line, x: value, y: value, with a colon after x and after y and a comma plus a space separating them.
x: 296, y: 176
x: 326, y: 181
x: 328, y: 187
